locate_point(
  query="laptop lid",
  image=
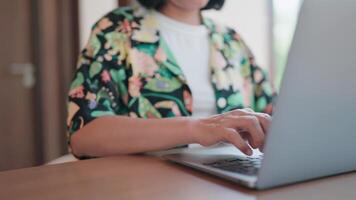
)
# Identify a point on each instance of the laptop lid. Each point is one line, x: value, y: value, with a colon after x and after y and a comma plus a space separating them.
x: 314, y: 127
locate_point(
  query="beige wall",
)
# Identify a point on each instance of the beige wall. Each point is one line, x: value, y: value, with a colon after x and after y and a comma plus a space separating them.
x: 89, y: 13
x: 252, y: 19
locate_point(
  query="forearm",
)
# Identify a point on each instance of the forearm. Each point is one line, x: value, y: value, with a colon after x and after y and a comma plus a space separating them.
x: 116, y: 135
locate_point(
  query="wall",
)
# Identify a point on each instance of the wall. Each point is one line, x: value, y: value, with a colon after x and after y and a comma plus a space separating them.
x: 285, y: 21
x: 90, y: 11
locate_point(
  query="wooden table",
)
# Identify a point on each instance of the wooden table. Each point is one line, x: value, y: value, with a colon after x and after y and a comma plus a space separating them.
x: 145, y: 177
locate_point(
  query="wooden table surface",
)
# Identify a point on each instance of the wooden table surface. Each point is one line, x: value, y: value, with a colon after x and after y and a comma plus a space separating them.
x: 145, y: 177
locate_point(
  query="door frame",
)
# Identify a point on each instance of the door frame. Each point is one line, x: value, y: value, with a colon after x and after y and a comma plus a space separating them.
x: 56, y: 39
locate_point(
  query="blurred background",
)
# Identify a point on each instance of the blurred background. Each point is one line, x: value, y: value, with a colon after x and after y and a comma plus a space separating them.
x: 40, y: 41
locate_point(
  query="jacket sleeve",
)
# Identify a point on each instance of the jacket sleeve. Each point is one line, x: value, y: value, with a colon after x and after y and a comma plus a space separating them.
x: 264, y: 94
x: 99, y: 86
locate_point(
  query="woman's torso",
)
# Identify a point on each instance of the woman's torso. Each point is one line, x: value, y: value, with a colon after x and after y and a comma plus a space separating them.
x: 128, y: 68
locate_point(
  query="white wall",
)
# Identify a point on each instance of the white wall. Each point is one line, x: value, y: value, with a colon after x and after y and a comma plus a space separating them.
x: 252, y: 19
x: 90, y: 11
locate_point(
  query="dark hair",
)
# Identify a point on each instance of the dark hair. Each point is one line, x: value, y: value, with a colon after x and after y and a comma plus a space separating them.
x: 157, y: 4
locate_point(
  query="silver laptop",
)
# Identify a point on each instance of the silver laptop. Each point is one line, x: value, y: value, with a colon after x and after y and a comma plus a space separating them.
x: 313, y: 133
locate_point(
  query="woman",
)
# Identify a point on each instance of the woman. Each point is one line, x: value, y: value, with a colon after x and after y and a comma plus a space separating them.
x: 158, y: 75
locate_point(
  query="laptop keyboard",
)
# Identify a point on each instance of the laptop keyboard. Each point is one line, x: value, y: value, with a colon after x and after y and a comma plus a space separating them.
x: 242, y: 165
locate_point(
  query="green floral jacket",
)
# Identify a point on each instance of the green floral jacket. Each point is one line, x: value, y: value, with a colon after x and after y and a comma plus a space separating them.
x: 128, y: 69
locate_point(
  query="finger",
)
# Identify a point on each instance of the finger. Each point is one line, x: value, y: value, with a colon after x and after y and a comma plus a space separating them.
x: 240, y: 112
x: 248, y: 138
x: 233, y: 137
x: 252, y: 125
x: 249, y: 124
x: 245, y: 135
x: 248, y: 110
x: 264, y: 119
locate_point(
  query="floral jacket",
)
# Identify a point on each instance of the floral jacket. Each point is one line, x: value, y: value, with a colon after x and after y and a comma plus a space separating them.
x: 128, y: 69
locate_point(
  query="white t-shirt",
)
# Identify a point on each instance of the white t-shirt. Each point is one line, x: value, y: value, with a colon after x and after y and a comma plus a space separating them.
x: 191, y: 48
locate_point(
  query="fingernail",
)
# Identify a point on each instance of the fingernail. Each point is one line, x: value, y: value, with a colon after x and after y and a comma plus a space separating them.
x: 249, y: 152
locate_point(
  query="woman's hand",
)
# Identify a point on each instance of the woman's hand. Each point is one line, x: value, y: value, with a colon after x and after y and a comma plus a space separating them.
x: 238, y: 127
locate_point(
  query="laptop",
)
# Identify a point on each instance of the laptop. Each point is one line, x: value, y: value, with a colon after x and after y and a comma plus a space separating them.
x: 313, y: 133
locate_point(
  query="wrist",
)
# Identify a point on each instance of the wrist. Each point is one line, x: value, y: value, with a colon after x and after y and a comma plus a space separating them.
x: 192, y: 130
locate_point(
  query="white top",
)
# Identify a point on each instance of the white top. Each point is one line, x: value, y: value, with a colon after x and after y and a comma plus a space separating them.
x: 191, y: 47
